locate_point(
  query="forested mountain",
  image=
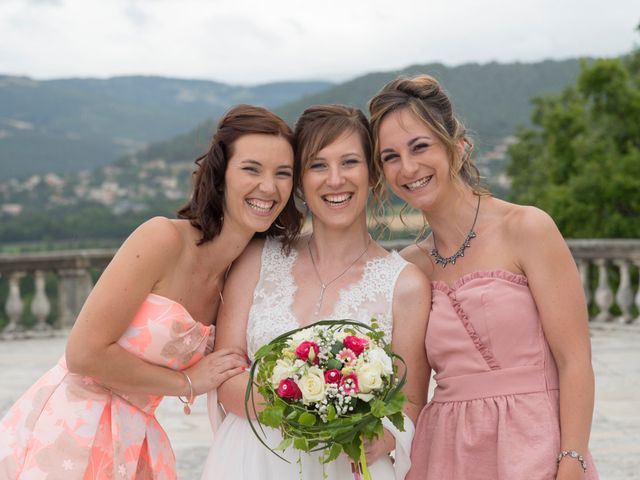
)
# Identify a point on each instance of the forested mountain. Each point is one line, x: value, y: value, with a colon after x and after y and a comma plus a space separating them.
x: 72, y: 124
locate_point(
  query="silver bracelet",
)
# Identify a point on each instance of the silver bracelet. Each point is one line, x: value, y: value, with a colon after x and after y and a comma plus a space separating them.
x: 573, y: 454
x: 187, y: 401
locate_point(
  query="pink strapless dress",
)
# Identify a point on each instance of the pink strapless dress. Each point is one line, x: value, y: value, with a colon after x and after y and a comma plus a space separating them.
x: 495, y: 410
x: 68, y: 426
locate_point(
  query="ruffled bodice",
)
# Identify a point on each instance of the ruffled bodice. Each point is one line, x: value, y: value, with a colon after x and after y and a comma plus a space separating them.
x: 495, y: 409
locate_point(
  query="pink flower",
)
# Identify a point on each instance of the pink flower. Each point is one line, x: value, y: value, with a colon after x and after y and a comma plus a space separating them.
x: 346, y: 356
x: 349, y: 384
x: 332, y: 376
x: 355, y: 344
x: 304, y: 352
x: 289, y: 389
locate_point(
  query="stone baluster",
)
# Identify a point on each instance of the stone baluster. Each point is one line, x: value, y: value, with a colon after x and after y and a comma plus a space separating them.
x: 604, y: 294
x: 583, y: 267
x: 40, y: 306
x: 74, y: 285
x: 624, y: 295
x: 14, y: 307
x: 637, y: 320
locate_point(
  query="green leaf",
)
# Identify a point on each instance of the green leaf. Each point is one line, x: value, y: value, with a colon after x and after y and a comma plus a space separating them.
x: 353, y: 448
x: 334, y: 363
x: 331, y: 413
x: 271, y: 416
x: 264, y: 350
x: 333, y: 453
x: 307, y: 419
x: 398, y: 420
x: 378, y: 408
x: 301, y: 444
x: 284, y: 444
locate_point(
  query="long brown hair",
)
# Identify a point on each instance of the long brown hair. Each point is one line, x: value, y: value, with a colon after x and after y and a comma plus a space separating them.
x: 205, y: 208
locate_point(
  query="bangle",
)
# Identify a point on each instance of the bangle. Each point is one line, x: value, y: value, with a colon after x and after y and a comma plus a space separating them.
x: 573, y: 454
x: 187, y: 401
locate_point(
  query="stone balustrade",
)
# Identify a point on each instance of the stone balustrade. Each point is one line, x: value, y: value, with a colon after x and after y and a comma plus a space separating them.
x: 72, y: 278
x: 610, y: 272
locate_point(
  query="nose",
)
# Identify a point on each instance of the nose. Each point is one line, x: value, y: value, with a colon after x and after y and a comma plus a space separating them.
x: 267, y: 185
x: 407, y: 166
x: 336, y: 178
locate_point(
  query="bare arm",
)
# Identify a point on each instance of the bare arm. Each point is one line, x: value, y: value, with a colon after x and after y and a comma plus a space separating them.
x: 231, y: 330
x: 143, y: 260
x: 555, y: 284
x: 411, y: 306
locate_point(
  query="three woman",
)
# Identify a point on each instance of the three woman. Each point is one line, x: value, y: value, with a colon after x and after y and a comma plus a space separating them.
x: 336, y: 272
x: 145, y: 329
x: 508, y: 336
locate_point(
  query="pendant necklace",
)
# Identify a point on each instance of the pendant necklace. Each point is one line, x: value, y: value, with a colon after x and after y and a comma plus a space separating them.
x: 460, y: 253
x: 323, y: 286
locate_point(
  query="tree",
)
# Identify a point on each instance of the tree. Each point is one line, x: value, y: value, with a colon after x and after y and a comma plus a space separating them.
x: 581, y: 160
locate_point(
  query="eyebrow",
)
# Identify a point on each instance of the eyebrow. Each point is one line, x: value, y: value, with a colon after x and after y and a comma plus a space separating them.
x: 409, y: 143
x: 258, y: 164
x: 344, y: 155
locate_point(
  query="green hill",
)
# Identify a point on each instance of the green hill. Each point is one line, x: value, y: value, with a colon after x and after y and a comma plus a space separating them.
x: 72, y: 124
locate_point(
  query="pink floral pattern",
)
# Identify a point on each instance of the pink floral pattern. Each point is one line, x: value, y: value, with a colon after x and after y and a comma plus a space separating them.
x: 69, y: 426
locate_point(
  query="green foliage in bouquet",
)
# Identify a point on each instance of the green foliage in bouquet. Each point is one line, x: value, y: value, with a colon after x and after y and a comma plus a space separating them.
x: 327, y: 387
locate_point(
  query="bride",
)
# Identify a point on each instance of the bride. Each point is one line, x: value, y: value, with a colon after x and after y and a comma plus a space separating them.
x: 336, y: 272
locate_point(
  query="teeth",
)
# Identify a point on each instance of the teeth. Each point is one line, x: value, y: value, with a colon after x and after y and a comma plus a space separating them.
x: 341, y: 198
x: 418, y: 183
x: 261, y: 205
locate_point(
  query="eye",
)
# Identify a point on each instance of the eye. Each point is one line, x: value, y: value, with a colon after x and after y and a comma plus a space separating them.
x: 284, y: 174
x: 388, y: 157
x: 317, y: 166
x: 420, y: 146
x: 250, y: 169
x: 350, y: 162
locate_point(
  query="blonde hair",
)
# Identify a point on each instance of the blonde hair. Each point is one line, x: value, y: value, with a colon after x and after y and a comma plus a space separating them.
x: 426, y: 98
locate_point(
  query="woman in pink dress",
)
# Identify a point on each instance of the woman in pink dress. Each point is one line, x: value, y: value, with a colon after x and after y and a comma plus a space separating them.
x: 145, y: 329
x: 508, y: 336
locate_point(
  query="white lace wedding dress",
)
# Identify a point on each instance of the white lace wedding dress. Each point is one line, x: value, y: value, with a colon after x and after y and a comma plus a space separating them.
x: 236, y: 453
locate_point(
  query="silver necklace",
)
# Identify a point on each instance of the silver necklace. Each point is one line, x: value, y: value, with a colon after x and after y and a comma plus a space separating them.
x: 323, y: 286
x: 460, y: 253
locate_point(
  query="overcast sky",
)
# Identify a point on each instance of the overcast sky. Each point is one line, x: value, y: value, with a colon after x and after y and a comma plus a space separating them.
x: 256, y: 41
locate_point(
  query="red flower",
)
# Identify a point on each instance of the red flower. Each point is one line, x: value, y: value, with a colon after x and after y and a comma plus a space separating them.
x: 355, y: 344
x: 289, y: 389
x: 349, y: 384
x: 332, y: 376
x: 303, y: 352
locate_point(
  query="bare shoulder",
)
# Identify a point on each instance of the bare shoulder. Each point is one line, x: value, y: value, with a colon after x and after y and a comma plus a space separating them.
x: 411, y: 282
x: 250, y: 259
x: 161, y: 233
x: 527, y: 223
x: 417, y: 256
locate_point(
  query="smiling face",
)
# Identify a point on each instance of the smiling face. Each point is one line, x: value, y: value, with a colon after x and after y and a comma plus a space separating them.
x: 415, y: 162
x: 258, y: 181
x: 335, y: 182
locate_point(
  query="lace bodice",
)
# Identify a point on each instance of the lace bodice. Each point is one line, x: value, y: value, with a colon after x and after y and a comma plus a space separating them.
x: 271, y: 313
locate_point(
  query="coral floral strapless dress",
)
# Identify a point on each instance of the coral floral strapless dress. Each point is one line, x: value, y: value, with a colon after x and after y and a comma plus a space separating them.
x: 495, y: 411
x: 67, y: 426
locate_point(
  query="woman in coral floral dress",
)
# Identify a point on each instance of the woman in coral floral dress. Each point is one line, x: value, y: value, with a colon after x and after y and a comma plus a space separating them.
x: 146, y: 327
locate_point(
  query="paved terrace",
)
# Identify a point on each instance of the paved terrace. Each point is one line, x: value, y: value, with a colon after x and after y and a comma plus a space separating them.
x: 615, y: 439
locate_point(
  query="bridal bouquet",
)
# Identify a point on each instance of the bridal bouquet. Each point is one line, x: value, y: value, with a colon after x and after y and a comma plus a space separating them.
x: 326, y: 388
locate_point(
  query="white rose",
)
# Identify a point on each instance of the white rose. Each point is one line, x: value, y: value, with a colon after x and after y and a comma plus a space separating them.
x: 283, y: 369
x: 369, y: 377
x: 301, y: 336
x: 339, y: 335
x: 312, y: 386
x: 378, y: 356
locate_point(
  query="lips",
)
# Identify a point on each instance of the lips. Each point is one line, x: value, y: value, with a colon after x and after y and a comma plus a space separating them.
x: 261, y: 207
x: 417, y: 184
x: 337, y: 199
